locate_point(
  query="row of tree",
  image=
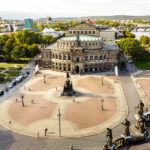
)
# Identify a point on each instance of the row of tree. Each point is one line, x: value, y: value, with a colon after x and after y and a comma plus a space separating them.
x: 113, y: 23
x: 133, y: 48
x: 58, y: 26
x: 23, y: 44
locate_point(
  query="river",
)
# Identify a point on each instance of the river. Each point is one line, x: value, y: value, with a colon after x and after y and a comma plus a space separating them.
x: 139, y: 34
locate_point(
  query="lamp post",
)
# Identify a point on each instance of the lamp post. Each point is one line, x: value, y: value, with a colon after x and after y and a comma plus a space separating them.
x: 59, y: 117
x: 102, y: 80
x: 22, y: 98
x: 44, y: 78
x: 102, y: 100
x: 46, y: 131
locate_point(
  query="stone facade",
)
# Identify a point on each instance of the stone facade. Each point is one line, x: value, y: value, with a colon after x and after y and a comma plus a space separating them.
x: 80, y: 53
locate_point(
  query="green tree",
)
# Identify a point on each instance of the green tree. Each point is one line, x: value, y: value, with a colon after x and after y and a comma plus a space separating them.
x: 16, y: 53
x: 132, y: 48
x: 127, y: 34
x: 48, y: 39
x: 144, y: 39
x: 27, y: 37
x: 3, y: 39
x: 8, y: 48
x: 33, y: 50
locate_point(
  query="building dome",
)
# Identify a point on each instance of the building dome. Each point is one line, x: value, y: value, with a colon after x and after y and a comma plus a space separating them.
x: 49, y: 19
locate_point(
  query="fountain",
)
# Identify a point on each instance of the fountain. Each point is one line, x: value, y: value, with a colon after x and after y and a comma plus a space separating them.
x: 68, y: 88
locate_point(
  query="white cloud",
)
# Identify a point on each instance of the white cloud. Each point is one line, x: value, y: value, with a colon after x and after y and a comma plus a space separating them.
x: 66, y: 8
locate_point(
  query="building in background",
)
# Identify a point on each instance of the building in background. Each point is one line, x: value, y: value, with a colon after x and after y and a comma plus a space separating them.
x: 28, y: 23
x: 81, y: 50
x: 18, y: 27
x: 49, y: 21
x: 52, y: 32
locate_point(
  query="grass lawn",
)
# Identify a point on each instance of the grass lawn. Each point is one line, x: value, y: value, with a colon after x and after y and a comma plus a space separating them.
x: 143, y: 65
x: 2, y: 75
x: 12, y: 73
x: 2, y: 68
x: 11, y: 65
x: 5, y: 80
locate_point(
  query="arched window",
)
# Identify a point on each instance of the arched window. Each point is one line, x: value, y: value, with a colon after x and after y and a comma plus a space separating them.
x: 100, y: 57
x: 60, y: 57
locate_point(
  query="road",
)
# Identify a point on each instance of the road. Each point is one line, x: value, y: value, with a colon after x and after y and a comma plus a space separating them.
x: 13, y: 90
x: 13, y: 141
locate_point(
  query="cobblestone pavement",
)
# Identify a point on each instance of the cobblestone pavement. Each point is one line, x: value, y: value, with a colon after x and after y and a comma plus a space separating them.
x: 13, y: 141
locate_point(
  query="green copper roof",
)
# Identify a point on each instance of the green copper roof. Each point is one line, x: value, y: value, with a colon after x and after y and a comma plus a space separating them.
x: 81, y: 38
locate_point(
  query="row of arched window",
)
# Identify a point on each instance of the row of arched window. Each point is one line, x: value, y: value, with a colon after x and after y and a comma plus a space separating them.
x: 61, y: 57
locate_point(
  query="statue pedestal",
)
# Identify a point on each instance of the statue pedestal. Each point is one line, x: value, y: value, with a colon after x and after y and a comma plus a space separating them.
x: 68, y: 89
x: 68, y: 93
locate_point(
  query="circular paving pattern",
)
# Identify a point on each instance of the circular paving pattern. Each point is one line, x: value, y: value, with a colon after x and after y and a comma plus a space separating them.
x: 81, y: 115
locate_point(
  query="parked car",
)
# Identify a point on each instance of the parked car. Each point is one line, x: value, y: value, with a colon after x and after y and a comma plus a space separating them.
x: 19, y: 79
x: 14, y: 83
x: 27, y: 71
x: 24, y: 75
x: 10, y: 85
x: 1, y: 92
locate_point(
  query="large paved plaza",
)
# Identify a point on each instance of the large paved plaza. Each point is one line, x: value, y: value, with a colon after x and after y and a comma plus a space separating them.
x: 81, y: 115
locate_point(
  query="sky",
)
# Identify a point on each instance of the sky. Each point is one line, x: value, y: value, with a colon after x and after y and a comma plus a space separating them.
x: 20, y: 9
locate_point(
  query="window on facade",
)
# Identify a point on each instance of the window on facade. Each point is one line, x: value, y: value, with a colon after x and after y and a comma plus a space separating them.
x: 70, y: 32
x: 96, y: 57
x: 86, y: 58
x: 93, y: 43
x: 78, y: 32
x: 100, y: 57
x: 77, y: 59
x: 104, y: 56
x: 64, y: 57
x: 81, y: 32
x: 74, y: 32
x: 89, y: 32
x: 91, y: 57
x: 68, y: 57
x: 59, y: 56
x: 93, y: 32
x: 89, y: 43
x: 53, y: 55
x: 85, y: 32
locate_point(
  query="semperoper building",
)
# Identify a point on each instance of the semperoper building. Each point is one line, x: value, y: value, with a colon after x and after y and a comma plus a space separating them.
x: 82, y: 50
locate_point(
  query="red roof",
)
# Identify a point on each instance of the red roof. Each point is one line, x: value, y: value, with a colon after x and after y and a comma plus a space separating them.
x: 90, y: 21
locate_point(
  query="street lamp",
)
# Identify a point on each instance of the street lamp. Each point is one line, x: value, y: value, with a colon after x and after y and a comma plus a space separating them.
x: 59, y: 117
x: 102, y: 100
x: 46, y: 131
x: 102, y: 80
x: 22, y: 98
x: 44, y: 78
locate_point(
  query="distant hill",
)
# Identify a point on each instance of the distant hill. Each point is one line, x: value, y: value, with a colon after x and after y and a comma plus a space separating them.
x: 119, y: 17
x: 115, y: 17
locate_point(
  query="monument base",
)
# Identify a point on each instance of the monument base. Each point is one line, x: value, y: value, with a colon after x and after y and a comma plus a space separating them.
x: 68, y: 93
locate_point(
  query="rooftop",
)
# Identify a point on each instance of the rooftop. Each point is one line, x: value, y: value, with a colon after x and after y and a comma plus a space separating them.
x: 81, y: 38
x: 107, y: 46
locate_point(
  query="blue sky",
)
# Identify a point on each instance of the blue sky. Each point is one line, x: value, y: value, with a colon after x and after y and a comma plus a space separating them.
x: 20, y: 9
